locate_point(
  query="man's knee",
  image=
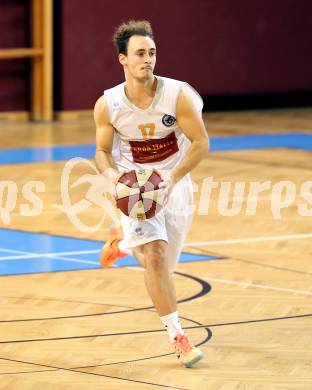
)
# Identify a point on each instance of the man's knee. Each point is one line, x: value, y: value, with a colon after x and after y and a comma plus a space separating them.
x: 156, y: 262
x: 155, y: 257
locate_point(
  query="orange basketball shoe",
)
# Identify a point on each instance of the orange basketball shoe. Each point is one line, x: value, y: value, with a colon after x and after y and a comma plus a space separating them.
x: 110, y: 251
x: 186, y: 352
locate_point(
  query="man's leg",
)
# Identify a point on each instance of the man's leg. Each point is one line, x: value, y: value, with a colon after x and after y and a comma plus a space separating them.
x: 159, y: 283
x: 160, y: 286
x: 158, y: 279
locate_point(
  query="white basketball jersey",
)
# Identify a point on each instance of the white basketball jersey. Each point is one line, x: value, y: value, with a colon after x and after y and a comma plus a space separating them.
x: 151, y: 137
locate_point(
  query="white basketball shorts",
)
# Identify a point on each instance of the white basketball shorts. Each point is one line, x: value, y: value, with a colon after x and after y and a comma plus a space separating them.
x: 171, y: 224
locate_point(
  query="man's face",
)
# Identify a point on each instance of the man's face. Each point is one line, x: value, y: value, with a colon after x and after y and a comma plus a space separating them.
x: 141, y: 57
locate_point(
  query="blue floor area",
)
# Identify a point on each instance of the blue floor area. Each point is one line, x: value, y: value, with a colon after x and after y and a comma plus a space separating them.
x: 301, y: 141
x: 54, y: 153
x: 24, y: 253
x: 27, y: 253
x: 298, y: 140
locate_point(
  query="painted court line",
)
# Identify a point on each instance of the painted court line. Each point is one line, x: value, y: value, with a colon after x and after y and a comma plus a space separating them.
x: 253, y: 285
x: 245, y: 284
x: 52, y: 254
x: 252, y: 239
x: 20, y: 257
x: 13, y: 251
x: 72, y: 260
x: 56, y: 255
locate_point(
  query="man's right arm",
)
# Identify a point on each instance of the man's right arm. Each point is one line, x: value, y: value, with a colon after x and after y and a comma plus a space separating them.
x: 104, y: 141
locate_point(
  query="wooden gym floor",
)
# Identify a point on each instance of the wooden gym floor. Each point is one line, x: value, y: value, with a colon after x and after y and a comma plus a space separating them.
x: 246, y: 300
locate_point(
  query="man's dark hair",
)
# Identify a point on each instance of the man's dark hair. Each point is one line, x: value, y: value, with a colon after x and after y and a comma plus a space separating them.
x: 126, y: 30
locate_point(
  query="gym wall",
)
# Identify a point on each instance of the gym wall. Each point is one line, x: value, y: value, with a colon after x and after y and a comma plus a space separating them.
x: 14, y: 74
x: 222, y: 48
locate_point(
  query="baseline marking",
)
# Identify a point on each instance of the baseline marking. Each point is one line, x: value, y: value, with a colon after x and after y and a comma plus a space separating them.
x: 252, y: 239
x: 245, y: 284
x: 253, y: 285
x: 91, y: 373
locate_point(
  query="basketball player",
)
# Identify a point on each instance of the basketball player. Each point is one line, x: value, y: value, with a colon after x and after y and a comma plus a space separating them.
x: 164, y: 114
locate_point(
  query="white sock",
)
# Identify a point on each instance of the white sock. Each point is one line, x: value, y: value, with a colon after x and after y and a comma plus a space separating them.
x: 172, y: 324
x: 123, y: 248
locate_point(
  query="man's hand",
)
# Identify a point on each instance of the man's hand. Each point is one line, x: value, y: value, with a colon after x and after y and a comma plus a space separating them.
x: 167, y: 184
x: 112, y: 176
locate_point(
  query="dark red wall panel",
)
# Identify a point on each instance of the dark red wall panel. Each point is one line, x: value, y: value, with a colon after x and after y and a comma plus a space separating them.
x: 220, y: 46
x: 14, y: 74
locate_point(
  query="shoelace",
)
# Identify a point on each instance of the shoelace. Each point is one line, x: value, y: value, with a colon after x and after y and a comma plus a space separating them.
x: 182, y: 345
x: 114, y: 246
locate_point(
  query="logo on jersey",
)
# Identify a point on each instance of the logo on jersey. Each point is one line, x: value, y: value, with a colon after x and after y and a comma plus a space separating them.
x: 168, y: 120
x: 138, y: 231
x: 116, y: 105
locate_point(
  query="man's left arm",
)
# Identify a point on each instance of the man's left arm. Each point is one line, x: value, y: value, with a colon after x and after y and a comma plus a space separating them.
x: 192, y: 125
